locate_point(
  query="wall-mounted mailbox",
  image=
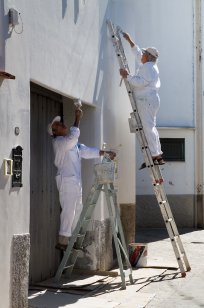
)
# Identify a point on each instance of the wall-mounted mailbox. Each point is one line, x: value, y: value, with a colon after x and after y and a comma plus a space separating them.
x: 17, y: 166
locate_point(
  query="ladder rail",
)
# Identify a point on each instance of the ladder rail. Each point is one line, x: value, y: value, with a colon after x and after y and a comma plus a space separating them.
x: 92, y: 197
x: 117, y: 247
x: 116, y: 226
x: 174, y: 228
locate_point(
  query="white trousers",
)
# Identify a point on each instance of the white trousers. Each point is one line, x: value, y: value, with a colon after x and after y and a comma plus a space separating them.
x: 70, y: 196
x: 148, y: 107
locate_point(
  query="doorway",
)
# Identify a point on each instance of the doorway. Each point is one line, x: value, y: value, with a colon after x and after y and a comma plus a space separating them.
x: 44, y: 201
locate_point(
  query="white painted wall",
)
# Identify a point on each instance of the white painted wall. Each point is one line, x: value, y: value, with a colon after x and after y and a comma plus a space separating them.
x: 64, y: 47
x: 169, y: 26
x: 178, y: 176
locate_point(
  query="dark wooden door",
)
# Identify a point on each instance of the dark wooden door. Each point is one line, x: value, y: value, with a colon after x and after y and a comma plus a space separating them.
x: 44, y: 201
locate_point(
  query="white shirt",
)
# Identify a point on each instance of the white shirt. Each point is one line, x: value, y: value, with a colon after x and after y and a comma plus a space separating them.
x: 68, y: 153
x: 146, y: 80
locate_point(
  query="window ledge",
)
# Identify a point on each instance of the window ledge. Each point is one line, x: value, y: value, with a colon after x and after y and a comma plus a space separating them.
x: 176, y: 127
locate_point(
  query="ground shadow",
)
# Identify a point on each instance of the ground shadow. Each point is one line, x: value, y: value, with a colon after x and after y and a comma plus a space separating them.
x: 148, y: 235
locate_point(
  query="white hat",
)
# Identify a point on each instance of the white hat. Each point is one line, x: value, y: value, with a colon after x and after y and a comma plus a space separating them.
x: 49, y: 127
x: 152, y: 50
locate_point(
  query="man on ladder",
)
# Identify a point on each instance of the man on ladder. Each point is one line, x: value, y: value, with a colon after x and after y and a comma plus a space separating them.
x: 104, y: 172
x: 146, y: 84
x: 68, y: 153
x: 136, y: 126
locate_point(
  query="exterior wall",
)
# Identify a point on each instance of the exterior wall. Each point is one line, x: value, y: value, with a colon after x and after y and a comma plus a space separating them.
x: 64, y: 47
x: 178, y: 176
x: 178, y: 183
x: 178, y: 115
x: 14, y: 108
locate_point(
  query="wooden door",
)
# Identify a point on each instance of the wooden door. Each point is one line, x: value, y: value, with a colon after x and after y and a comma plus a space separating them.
x: 44, y: 201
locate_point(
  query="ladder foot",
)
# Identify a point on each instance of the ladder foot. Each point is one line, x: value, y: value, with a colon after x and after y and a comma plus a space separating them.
x: 183, y: 274
x: 188, y: 269
x: 132, y: 281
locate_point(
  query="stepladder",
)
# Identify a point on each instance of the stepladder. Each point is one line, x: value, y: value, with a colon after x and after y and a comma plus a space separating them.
x: 136, y: 126
x: 104, y: 182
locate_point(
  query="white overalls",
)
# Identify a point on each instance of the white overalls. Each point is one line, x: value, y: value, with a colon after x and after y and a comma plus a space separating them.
x: 68, y: 153
x: 146, y: 84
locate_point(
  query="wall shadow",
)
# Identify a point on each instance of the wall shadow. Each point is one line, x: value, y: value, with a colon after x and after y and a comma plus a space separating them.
x: 64, y: 7
x: 76, y: 10
x: 2, y: 40
x: 5, y: 33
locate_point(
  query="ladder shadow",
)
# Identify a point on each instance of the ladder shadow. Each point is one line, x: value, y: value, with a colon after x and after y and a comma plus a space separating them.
x: 159, y: 278
x: 139, y: 284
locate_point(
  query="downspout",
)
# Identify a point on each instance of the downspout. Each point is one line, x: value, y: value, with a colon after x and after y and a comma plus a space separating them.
x: 199, y: 201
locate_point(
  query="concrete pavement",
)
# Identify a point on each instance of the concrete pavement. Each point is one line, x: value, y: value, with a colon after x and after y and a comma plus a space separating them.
x: 154, y: 287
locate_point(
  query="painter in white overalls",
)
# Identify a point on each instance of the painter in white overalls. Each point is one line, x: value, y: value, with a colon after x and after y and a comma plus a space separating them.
x: 68, y: 153
x: 146, y: 84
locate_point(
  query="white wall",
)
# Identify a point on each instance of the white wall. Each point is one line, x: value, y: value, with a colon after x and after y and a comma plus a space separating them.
x: 169, y: 26
x: 178, y: 176
x: 14, y: 109
x: 65, y: 47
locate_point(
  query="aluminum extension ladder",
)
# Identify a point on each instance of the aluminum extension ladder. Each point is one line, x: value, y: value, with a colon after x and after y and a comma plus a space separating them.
x: 76, y: 241
x: 155, y: 173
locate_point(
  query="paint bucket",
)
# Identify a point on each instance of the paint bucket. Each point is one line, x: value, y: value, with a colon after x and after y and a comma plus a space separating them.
x: 138, y: 254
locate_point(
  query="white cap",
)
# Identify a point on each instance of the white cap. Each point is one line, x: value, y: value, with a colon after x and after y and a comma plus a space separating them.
x: 49, y: 127
x: 152, y: 50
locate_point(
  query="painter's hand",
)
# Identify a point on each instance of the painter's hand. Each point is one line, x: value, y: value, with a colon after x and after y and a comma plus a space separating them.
x: 126, y: 36
x: 110, y: 154
x: 78, y: 116
x: 78, y: 113
x: 124, y: 72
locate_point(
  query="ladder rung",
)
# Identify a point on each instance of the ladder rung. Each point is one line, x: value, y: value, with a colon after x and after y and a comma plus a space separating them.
x: 68, y: 270
x: 169, y: 220
x: 174, y: 238
x: 92, y: 204
x: 86, y: 221
x: 67, y: 267
x: 80, y: 235
x: 162, y: 202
